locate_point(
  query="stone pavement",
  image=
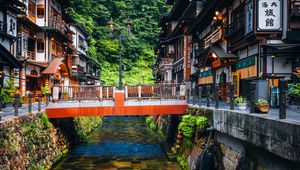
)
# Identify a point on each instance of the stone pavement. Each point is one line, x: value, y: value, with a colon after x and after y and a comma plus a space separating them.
x: 291, y: 114
x: 8, y: 112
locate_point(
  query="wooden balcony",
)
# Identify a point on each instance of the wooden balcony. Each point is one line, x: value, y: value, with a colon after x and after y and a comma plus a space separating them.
x: 78, y: 71
x: 59, y: 26
x: 234, y: 27
x: 31, y: 55
x: 165, y: 61
x: 295, y: 9
x: 215, y: 36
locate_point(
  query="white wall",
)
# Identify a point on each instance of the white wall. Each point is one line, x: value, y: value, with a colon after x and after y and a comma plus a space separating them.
x: 40, y: 21
x: 40, y: 57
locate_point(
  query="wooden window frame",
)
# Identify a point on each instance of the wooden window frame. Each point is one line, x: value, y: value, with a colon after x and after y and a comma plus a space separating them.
x: 40, y: 46
x: 40, y: 8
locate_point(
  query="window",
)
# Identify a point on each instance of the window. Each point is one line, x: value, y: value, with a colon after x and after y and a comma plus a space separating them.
x: 40, y: 46
x: 31, y: 8
x: 40, y: 11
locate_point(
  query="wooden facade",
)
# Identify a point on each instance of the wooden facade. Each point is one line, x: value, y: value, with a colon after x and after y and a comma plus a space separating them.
x: 236, y: 44
x: 44, y: 37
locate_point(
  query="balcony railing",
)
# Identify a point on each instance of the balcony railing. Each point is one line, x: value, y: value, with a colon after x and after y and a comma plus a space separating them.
x: 295, y: 9
x: 58, y: 26
x: 78, y: 71
x: 213, y: 37
x: 31, y: 55
x: 234, y: 27
x: 3, y: 27
x: 165, y: 61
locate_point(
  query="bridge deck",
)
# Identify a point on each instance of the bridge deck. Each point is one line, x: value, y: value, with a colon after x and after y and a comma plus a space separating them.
x: 110, y: 108
x: 147, y: 100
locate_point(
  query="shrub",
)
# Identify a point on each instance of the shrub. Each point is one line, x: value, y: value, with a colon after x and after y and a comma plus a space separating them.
x: 202, y: 121
x: 239, y: 100
x: 187, y: 125
x: 45, y: 120
x: 7, y: 91
x: 295, y: 91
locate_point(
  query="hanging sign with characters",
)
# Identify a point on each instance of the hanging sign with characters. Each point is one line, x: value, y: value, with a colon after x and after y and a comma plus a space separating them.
x: 11, y: 24
x: 269, y: 16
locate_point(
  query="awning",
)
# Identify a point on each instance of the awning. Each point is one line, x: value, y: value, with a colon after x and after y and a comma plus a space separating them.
x: 53, y: 67
x: 12, y: 61
x: 221, y: 53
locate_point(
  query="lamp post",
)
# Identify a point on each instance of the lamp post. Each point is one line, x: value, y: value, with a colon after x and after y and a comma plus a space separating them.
x: 112, y: 26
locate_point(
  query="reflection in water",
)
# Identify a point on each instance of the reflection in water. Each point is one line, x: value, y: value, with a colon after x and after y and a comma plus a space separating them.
x: 120, y: 143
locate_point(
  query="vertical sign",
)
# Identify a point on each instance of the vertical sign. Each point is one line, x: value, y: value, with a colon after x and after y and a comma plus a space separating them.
x: 11, y: 24
x: 269, y: 15
x: 249, y: 13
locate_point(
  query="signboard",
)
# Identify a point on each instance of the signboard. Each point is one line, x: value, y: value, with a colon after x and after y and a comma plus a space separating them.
x: 11, y: 24
x: 269, y: 16
x: 249, y: 14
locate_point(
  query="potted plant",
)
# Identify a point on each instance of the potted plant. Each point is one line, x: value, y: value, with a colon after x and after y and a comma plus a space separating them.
x: 294, y: 93
x: 241, y: 102
x: 262, y: 106
x: 45, y: 91
x: 65, y: 95
x: 25, y: 99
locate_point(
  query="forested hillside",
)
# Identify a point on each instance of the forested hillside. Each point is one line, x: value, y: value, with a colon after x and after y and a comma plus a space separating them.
x: 137, y: 52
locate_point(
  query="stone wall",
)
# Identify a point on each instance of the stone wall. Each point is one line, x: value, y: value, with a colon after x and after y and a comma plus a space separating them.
x: 279, y: 137
x: 33, y: 142
x: 238, y: 141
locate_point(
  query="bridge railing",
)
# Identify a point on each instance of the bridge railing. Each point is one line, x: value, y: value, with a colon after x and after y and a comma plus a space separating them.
x: 152, y: 91
x: 132, y: 92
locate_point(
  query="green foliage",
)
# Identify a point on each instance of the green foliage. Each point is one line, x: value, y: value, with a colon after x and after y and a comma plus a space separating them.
x: 137, y: 51
x: 45, y: 120
x: 85, y: 125
x: 240, y: 100
x: 295, y: 91
x: 7, y: 91
x: 187, y: 125
x: 45, y: 90
x: 150, y: 122
x: 202, y: 121
x: 182, y: 161
x: 261, y: 101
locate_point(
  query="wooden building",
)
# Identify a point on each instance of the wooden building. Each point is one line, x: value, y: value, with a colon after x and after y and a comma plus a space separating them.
x: 217, y: 43
x: 10, y: 64
x: 42, y: 45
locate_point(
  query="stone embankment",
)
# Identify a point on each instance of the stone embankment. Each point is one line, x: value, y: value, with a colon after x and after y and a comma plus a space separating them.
x: 197, y: 142
x: 34, y: 142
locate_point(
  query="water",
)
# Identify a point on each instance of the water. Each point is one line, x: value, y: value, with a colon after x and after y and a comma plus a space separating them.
x: 120, y: 143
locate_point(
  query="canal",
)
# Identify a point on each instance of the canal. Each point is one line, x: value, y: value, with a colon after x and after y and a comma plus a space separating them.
x: 120, y: 143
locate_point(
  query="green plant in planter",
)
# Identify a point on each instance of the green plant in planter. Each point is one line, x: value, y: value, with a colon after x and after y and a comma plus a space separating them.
x: 261, y: 102
x: 240, y: 100
x: 7, y: 91
x: 45, y: 90
x: 295, y: 91
x: 202, y: 121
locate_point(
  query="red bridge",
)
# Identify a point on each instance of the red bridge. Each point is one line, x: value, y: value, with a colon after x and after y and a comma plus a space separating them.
x: 73, y: 101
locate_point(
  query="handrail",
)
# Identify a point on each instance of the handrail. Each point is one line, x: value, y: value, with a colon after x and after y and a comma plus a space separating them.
x: 100, y: 92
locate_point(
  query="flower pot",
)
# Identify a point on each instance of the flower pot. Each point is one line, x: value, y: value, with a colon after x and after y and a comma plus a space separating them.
x: 25, y: 100
x: 262, y: 108
x: 44, y: 99
x: 242, y: 106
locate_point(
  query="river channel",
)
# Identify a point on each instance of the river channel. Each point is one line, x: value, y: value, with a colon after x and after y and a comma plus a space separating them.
x: 120, y: 143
